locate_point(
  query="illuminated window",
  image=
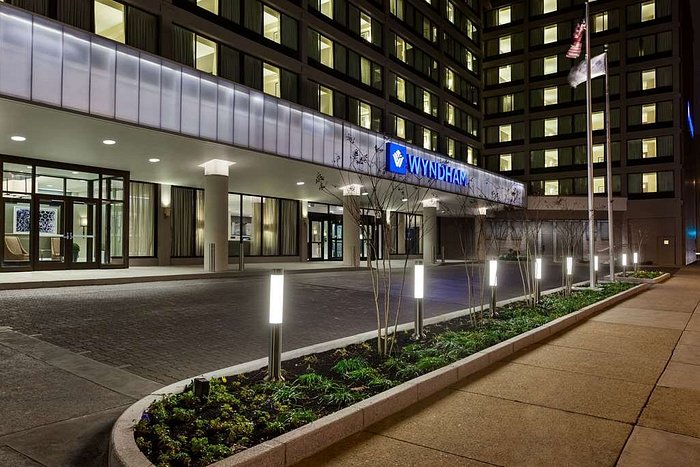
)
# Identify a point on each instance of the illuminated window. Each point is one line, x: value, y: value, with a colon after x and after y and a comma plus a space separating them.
x: 429, y: 139
x: 551, y: 95
x: 271, y: 24
x: 271, y: 80
x: 210, y: 5
x: 648, y: 11
x: 551, y: 188
x: 505, y: 162
x: 505, y: 133
x: 365, y: 71
x: 205, y: 52
x: 326, y: 7
x: 450, y: 12
x: 471, y: 160
x: 365, y: 26
x: 427, y: 103
x: 600, y: 22
x: 450, y: 79
x: 325, y: 47
x: 109, y: 20
x: 505, y: 73
x: 364, y: 111
x: 598, y: 153
x: 549, y: 6
x: 450, y: 147
x: 325, y: 100
x: 400, y: 126
x: 598, y: 184
x: 649, y: 184
x: 598, y: 120
x: 550, y: 34
x: 507, y: 102
x: 471, y: 60
x: 648, y: 79
x: 450, y: 113
x: 648, y: 148
x: 551, y: 127
x: 550, y: 65
x: 504, y: 15
x: 648, y: 113
x: 504, y: 44
x: 402, y: 48
x: 551, y: 158
x: 400, y: 84
x: 396, y: 8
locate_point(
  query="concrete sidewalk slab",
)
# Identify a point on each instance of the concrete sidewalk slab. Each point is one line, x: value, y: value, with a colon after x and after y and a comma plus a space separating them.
x: 673, y: 409
x: 644, y: 317
x: 608, y: 398
x: 623, y: 367
x: 694, y: 323
x: 10, y: 457
x: 689, y: 354
x: 681, y: 375
x: 504, y: 432
x: 668, y: 301
x: 690, y: 338
x: 648, y: 447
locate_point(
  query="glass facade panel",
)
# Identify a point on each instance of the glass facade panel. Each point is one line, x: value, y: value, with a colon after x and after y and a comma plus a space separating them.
x: 142, y: 208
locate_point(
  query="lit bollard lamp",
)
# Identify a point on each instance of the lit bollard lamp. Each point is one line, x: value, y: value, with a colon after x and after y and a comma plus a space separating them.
x: 418, y: 293
x: 624, y: 264
x: 635, y: 261
x: 569, y: 274
x: 493, y: 282
x: 274, y: 366
x: 538, y: 279
x: 595, y: 269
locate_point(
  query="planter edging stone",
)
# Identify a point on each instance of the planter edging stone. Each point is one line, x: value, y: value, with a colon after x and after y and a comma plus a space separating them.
x: 305, y: 441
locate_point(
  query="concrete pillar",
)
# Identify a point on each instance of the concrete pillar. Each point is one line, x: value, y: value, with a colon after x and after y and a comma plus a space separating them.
x: 216, y: 214
x: 351, y: 227
x: 430, y: 234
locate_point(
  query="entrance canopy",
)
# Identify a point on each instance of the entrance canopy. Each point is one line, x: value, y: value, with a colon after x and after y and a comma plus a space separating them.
x: 157, y: 109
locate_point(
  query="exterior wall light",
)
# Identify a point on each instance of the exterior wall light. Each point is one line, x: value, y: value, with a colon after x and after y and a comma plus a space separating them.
x: 493, y: 282
x: 274, y: 367
x: 538, y: 278
x: 418, y: 294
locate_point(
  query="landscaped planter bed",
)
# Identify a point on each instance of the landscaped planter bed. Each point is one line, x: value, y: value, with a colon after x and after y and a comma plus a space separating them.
x: 244, y: 410
x: 644, y: 276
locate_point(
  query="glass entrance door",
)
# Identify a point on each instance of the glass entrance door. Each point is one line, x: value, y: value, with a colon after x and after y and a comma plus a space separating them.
x: 83, y: 239
x: 48, y: 228
x: 316, y: 240
x: 325, y: 237
x: 336, y: 240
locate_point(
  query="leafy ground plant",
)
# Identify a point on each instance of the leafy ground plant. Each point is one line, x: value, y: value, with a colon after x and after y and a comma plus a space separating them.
x: 644, y: 274
x: 244, y: 410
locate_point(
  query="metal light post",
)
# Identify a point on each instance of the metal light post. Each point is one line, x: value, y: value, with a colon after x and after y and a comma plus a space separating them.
x: 589, y: 148
x: 274, y: 367
x: 493, y: 282
x: 418, y: 293
x: 538, y: 278
x: 608, y: 168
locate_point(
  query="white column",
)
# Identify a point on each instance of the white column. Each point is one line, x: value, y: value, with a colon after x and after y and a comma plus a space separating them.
x: 216, y: 214
x: 351, y: 228
x: 430, y: 231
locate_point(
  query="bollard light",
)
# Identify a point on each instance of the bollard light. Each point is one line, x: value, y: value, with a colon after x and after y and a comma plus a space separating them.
x: 418, y: 293
x: 493, y: 282
x: 274, y: 367
x: 624, y: 264
x: 538, y: 278
x: 635, y: 260
x: 569, y: 272
x: 595, y: 267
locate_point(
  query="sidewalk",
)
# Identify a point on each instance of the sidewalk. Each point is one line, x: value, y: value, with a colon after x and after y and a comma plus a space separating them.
x: 621, y: 388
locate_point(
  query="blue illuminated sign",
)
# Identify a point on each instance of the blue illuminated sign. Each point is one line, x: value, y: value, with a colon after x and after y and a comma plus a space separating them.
x: 691, y: 126
x: 400, y: 161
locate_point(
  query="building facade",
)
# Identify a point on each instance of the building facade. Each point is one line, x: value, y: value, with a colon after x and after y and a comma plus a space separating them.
x: 535, y: 122
x: 158, y: 132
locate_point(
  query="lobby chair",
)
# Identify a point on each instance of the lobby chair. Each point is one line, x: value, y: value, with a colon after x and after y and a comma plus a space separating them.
x: 56, y: 254
x: 14, y: 251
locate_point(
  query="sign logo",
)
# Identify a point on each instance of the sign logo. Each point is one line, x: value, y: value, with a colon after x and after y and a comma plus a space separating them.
x: 396, y: 158
x: 400, y: 162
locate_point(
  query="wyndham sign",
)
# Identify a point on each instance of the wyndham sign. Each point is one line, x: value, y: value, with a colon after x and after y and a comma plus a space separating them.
x: 400, y: 162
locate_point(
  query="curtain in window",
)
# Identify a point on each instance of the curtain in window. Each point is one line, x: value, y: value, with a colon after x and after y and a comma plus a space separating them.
x: 141, y: 219
x: 290, y: 216
x: 77, y: 13
x: 230, y: 63
x: 231, y: 10
x: 252, y: 72
x: 664, y: 111
x: 36, y: 6
x: 270, y: 231
x: 289, y: 87
x: 634, y: 183
x: 664, y: 41
x: 199, y: 225
x: 252, y: 15
x: 141, y: 30
x: 664, y: 146
x: 634, y: 149
x: 634, y: 115
x: 665, y: 182
x: 182, y: 222
x: 340, y: 58
x: 183, y: 45
x: 290, y: 32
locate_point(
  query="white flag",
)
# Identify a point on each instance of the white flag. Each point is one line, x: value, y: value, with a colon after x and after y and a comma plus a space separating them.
x: 578, y: 74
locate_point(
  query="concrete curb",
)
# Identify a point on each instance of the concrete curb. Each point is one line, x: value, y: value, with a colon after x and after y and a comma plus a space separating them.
x: 307, y: 440
x: 635, y: 280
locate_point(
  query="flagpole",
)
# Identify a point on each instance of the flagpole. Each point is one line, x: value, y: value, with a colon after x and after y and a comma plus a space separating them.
x: 608, y: 166
x: 589, y: 141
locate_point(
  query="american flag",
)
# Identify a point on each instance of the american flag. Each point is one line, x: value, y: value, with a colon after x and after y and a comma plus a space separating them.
x: 577, y: 41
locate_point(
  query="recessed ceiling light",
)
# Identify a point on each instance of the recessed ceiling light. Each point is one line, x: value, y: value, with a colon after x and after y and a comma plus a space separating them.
x: 108, y: 142
x: 18, y: 138
x: 75, y: 173
x: 364, y: 193
x: 403, y: 200
x: 300, y: 183
x: 153, y: 160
